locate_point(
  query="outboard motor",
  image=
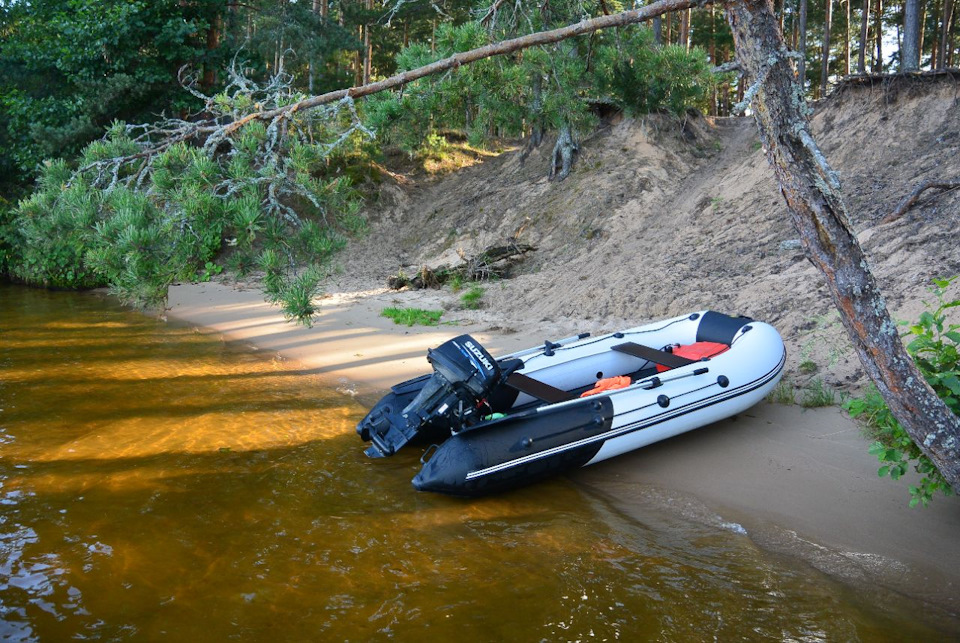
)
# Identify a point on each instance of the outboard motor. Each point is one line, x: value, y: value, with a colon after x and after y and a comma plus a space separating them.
x: 464, y: 374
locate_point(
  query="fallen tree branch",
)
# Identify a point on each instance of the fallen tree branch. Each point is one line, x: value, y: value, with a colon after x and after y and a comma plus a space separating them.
x: 494, y: 261
x: 466, y: 57
x: 912, y: 198
x: 214, y: 131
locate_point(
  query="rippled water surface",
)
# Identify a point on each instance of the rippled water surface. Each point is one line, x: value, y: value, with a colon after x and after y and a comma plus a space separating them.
x: 156, y: 483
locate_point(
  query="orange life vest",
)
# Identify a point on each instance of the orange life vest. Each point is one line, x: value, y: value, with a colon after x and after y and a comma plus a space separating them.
x: 608, y: 384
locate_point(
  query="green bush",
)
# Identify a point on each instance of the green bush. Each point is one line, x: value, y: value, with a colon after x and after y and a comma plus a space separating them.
x: 934, y: 348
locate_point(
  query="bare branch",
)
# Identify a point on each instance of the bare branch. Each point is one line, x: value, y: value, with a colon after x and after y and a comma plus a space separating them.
x: 733, y: 65
x: 492, y: 11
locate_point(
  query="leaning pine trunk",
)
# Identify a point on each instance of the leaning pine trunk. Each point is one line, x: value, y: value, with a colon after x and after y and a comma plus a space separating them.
x: 812, y: 193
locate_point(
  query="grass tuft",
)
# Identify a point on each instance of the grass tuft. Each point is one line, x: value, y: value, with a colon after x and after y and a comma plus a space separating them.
x: 473, y: 298
x: 412, y: 316
x: 816, y: 394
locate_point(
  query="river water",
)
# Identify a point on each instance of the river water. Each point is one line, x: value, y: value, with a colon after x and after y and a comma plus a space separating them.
x: 158, y: 484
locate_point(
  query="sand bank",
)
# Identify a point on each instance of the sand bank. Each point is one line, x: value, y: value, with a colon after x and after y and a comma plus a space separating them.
x: 798, y: 482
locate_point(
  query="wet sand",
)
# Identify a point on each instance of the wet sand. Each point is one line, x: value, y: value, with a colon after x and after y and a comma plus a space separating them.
x: 798, y: 481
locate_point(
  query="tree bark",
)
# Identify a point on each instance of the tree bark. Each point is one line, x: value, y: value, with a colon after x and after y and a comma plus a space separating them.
x: 802, y: 63
x: 864, y: 32
x: 812, y: 193
x: 910, y: 52
x: 825, y: 58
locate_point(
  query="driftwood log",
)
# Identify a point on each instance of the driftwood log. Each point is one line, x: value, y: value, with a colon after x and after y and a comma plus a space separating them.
x: 494, y: 261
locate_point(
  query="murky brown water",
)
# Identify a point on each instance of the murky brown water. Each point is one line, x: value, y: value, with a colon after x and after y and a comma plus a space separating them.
x: 158, y: 484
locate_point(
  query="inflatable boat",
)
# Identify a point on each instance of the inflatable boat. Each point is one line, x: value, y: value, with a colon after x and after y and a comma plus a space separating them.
x: 497, y: 423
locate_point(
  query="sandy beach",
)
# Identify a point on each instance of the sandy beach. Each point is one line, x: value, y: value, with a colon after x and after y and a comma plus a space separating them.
x: 797, y: 481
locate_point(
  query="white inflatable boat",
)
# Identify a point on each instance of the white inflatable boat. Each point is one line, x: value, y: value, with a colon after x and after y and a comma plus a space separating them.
x: 497, y: 423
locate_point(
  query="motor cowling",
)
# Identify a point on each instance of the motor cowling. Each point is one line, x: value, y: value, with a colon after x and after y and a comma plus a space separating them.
x: 464, y: 374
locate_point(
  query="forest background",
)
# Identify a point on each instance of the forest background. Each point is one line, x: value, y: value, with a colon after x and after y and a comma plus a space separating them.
x: 69, y: 71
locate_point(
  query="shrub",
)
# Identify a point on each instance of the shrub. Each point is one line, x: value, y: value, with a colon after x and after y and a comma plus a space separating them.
x: 934, y: 348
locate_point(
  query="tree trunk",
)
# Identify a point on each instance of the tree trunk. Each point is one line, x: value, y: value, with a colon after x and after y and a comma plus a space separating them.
x: 921, y: 31
x: 685, y: 29
x: 935, y: 41
x: 714, y: 108
x: 213, y: 42
x: 658, y: 31
x: 367, y: 47
x: 878, y: 38
x: 802, y: 63
x: 846, y: 42
x: 310, y: 70
x: 864, y: 32
x: 946, y: 43
x: 811, y: 190
x: 825, y: 58
x: 910, y: 53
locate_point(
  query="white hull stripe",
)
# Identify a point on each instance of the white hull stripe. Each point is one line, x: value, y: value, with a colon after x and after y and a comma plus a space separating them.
x: 636, y: 426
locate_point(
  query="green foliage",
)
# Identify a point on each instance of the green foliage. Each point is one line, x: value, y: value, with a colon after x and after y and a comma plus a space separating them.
x: 138, y: 228
x: 473, y: 298
x: 412, y: 316
x: 934, y: 348
x: 548, y: 87
x: 643, y: 79
x: 69, y: 68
